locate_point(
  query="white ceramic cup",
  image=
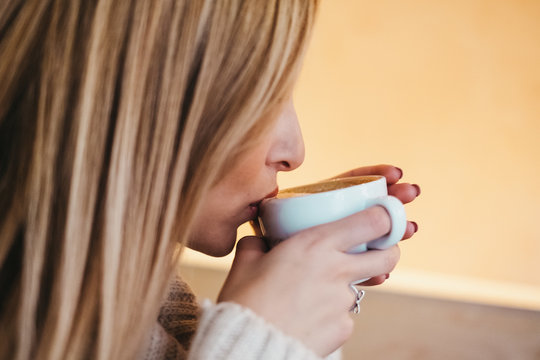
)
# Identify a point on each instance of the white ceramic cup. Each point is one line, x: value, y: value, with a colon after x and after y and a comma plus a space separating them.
x: 302, y: 207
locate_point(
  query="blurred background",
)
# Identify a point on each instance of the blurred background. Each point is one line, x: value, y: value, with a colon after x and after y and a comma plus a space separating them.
x: 450, y: 92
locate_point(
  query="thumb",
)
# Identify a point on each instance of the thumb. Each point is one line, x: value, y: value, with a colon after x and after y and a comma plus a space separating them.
x: 249, y: 249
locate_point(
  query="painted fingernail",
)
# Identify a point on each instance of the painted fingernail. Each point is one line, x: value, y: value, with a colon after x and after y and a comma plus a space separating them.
x: 415, y: 226
x: 418, y: 191
x: 400, y: 173
x: 387, y: 276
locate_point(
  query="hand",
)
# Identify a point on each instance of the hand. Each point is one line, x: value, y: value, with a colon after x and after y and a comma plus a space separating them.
x: 302, y: 285
x: 405, y: 192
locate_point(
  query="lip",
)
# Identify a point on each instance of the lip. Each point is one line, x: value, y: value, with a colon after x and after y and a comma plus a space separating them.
x: 254, y: 206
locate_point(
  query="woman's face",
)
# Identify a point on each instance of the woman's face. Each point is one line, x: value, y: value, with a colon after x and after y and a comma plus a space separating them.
x: 235, y: 198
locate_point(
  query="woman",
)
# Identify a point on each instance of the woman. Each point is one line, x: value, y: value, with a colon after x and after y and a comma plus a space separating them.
x: 128, y: 127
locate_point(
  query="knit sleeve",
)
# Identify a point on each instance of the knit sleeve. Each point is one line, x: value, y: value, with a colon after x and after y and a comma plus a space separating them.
x: 176, y: 324
x: 219, y: 332
x: 162, y: 346
x: 230, y: 331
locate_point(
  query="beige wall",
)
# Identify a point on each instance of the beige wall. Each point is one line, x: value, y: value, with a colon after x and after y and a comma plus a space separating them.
x: 450, y: 92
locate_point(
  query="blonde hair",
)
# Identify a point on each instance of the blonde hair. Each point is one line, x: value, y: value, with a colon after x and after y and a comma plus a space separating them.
x: 115, y: 117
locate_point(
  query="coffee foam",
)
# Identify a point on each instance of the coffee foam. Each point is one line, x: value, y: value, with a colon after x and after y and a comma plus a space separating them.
x: 324, y: 186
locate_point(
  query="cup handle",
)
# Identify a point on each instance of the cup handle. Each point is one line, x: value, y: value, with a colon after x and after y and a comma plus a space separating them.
x: 396, y: 210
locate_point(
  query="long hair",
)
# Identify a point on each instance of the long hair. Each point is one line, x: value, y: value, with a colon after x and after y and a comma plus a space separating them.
x: 116, y: 116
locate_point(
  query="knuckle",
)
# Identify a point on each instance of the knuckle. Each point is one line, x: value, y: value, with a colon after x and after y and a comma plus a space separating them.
x: 342, y: 272
x: 314, y: 238
x: 379, y: 220
x: 309, y: 247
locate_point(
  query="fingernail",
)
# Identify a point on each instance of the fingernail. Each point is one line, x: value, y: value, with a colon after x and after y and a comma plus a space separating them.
x: 418, y: 191
x: 387, y: 276
x: 415, y: 226
x: 400, y: 173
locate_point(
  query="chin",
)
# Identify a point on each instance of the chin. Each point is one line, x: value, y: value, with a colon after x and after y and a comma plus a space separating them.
x: 216, y: 246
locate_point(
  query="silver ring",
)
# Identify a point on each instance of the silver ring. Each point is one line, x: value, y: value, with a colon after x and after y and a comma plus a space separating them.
x: 358, y: 296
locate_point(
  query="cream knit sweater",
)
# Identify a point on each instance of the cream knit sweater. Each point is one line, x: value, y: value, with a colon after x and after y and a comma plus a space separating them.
x: 224, y: 331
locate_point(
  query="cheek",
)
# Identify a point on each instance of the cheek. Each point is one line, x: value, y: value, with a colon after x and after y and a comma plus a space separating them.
x: 224, y: 207
x: 249, y: 167
x: 214, y: 228
x: 214, y: 233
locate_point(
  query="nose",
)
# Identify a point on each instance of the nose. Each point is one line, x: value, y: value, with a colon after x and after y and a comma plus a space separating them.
x: 287, y: 151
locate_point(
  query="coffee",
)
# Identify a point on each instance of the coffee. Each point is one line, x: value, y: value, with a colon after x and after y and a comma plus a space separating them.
x: 329, y: 185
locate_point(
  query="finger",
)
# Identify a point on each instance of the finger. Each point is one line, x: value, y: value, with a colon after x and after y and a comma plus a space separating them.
x: 249, y: 249
x: 410, y: 230
x: 404, y: 192
x: 391, y: 173
x: 371, y: 264
x: 353, y: 230
x: 374, y: 281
